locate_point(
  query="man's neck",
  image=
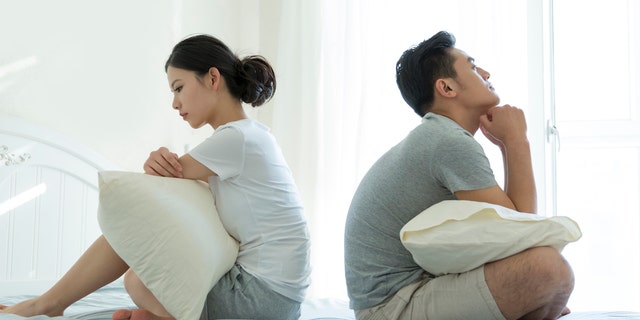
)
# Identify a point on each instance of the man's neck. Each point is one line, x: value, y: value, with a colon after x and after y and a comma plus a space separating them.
x: 469, y: 121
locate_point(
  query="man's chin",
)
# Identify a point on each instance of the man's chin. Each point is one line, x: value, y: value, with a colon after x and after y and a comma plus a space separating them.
x: 497, y: 98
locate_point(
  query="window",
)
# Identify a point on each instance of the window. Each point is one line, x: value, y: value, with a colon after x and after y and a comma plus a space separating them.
x: 597, y: 156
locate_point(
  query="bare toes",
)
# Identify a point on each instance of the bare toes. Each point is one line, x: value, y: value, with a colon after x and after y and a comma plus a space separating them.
x: 139, y: 314
x: 122, y: 314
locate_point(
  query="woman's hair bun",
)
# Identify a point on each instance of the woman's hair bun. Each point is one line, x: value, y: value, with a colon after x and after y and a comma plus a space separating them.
x: 256, y: 79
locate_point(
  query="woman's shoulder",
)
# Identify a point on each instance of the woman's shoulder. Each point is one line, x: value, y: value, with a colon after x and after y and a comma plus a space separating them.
x: 244, y: 125
x: 246, y: 131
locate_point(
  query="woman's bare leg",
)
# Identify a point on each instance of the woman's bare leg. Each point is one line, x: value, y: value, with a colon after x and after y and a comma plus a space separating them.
x: 142, y: 296
x: 97, y: 267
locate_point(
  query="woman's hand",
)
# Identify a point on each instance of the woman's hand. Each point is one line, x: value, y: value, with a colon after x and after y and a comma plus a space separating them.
x: 163, y: 163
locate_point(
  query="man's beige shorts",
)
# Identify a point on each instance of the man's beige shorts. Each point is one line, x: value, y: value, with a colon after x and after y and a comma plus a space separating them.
x: 453, y: 296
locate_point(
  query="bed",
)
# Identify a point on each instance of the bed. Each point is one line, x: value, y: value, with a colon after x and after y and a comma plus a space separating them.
x: 48, y: 202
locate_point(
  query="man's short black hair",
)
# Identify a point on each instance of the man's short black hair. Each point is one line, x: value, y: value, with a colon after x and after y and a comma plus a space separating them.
x: 420, y: 66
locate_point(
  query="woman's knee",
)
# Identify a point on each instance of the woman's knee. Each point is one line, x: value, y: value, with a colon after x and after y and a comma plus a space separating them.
x: 131, y: 281
x: 142, y: 296
x: 134, y: 286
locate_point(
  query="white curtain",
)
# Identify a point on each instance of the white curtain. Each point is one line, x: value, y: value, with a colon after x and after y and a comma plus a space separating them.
x: 338, y: 107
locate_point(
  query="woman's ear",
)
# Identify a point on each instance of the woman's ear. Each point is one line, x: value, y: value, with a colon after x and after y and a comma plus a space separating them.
x: 444, y: 87
x: 213, y: 79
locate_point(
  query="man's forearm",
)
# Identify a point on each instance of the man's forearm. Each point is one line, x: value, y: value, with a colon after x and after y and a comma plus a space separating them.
x: 519, y: 182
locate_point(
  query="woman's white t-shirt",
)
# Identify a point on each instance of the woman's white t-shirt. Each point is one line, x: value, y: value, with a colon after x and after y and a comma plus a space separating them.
x: 258, y: 204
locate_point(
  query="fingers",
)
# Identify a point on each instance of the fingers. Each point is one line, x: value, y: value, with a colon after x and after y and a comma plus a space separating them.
x: 163, y: 163
x: 504, y: 123
x: 507, y: 111
x: 489, y: 136
x: 485, y: 121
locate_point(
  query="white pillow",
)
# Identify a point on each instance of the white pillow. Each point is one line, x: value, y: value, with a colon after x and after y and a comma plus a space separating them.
x: 456, y: 236
x: 168, y: 231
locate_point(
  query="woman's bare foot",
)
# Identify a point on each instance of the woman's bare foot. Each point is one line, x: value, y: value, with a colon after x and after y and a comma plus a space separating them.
x: 32, y: 307
x: 139, y: 314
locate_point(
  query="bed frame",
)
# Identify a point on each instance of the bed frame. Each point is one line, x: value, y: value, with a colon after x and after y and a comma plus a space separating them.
x: 48, y: 203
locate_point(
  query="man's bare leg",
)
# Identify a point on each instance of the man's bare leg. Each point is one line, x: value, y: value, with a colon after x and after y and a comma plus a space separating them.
x: 97, y: 267
x: 534, y: 284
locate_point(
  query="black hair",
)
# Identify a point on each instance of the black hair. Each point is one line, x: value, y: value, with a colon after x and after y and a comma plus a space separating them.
x: 420, y: 66
x: 250, y: 79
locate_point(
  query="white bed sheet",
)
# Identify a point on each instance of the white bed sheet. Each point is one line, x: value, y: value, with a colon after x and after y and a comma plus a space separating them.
x: 98, y: 305
x: 102, y: 303
x: 602, y: 315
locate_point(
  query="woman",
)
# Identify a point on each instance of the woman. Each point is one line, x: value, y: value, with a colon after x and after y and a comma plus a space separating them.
x: 256, y: 197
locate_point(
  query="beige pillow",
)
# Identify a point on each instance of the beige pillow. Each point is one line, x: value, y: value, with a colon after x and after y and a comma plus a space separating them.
x: 456, y: 236
x: 168, y: 231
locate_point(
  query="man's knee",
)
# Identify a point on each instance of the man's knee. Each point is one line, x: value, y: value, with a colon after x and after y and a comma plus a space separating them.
x: 545, y: 265
x: 535, y: 279
x: 551, y: 265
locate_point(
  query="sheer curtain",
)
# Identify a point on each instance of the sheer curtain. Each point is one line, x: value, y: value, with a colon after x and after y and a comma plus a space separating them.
x: 338, y: 107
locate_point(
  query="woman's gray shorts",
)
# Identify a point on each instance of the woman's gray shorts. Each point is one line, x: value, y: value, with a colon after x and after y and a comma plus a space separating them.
x: 239, y: 295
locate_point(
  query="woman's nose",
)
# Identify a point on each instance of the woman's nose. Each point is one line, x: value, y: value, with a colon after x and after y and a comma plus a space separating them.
x: 176, y: 104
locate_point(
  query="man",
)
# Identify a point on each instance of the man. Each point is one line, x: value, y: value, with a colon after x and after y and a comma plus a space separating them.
x: 440, y: 160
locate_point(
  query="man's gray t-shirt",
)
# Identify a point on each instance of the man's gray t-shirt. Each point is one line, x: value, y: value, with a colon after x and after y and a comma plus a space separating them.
x: 435, y: 160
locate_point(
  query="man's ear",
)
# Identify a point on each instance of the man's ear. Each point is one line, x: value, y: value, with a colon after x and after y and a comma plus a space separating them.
x: 444, y: 87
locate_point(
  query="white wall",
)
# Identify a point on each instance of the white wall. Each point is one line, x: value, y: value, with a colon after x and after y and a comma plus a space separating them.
x: 93, y: 70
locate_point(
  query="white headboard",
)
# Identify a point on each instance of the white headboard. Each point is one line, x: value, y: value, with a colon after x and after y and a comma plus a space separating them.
x: 48, y: 203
